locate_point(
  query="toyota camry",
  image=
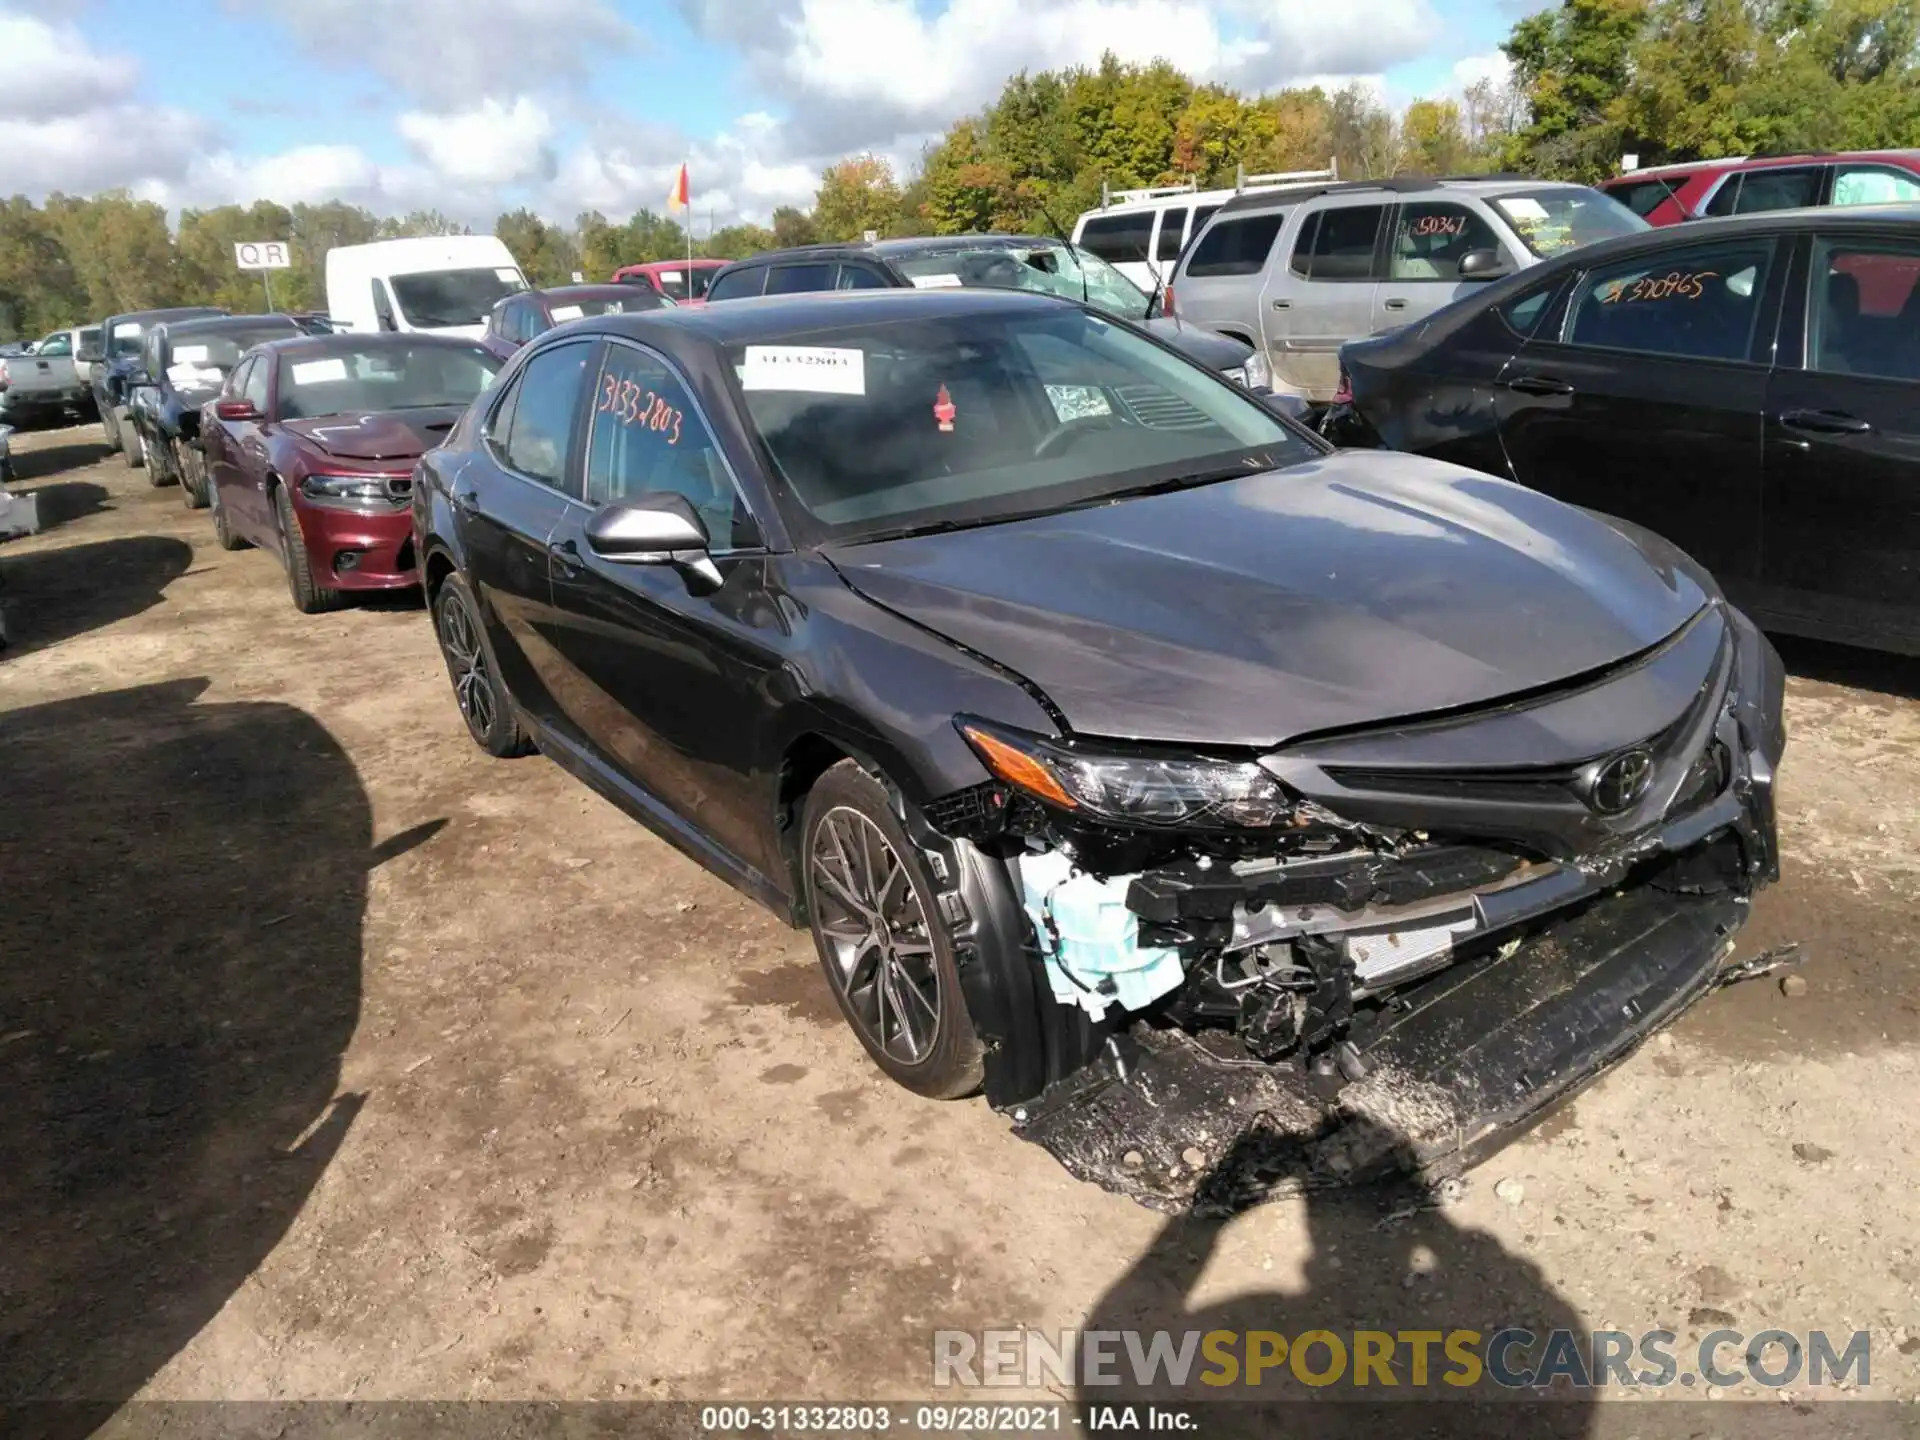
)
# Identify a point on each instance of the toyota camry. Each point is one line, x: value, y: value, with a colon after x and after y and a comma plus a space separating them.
x: 1129, y: 753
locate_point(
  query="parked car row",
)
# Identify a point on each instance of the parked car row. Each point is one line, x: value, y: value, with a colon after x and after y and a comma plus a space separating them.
x: 1115, y: 736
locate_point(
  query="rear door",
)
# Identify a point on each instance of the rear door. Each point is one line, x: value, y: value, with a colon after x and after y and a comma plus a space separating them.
x: 216, y: 435
x: 247, y: 507
x: 510, y: 500
x: 1842, y: 550
x: 1428, y: 240
x: 1220, y: 284
x: 1642, y: 398
x: 1322, y: 294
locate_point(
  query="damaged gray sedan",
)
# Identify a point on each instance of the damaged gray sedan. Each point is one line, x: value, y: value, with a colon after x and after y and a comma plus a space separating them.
x: 1189, y: 786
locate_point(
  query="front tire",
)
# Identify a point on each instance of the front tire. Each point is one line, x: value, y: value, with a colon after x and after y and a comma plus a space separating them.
x: 132, y: 449
x: 310, y: 597
x: 477, y: 687
x: 887, y: 958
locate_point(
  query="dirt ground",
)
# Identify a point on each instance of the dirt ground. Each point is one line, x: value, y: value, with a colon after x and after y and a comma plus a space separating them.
x: 343, y: 1061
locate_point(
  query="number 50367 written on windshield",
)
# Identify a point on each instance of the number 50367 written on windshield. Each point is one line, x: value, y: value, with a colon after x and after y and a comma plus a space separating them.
x: 632, y: 404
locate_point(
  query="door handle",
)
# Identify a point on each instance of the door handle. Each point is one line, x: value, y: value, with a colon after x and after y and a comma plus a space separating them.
x: 1539, y: 385
x: 1283, y: 304
x: 564, y: 557
x: 1825, y: 422
x: 1396, y: 304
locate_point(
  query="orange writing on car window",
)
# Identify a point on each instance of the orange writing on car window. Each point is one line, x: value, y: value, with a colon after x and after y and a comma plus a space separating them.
x: 633, y: 404
x: 1440, y: 225
x: 1675, y: 285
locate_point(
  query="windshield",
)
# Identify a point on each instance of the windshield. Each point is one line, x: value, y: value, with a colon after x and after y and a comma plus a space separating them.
x: 1550, y: 221
x: 891, y: 428
x: 683, y: 284
x: 385, y: 377
x: 126, y: 338
x: 1045, y: 266
x: 431, y: 299
x: 203, y: 362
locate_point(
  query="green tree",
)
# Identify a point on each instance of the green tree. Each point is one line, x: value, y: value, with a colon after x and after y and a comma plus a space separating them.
x: 38, y: 288
x: 793, y: 227
x: 208, y: 272
x: 1433, y: 139
x: 545, y: 252
x: 1362, y: 133
x: 855, y: 196
x: 120, y: 249
x: 1572, y: 65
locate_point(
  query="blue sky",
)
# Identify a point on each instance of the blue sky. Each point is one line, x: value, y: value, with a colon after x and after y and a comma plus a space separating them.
x: 473, y: 105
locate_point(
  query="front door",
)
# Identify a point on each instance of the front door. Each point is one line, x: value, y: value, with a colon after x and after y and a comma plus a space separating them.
x: 1322, y: 295
x: 1843, y: 446
x: 1429, y: 240
x: 661, y: 675
x: 507, y: 504
x: 1643, y: 399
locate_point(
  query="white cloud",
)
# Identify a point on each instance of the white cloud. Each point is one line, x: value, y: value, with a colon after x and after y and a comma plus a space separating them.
x: 51, y: 72
x: 490, y: 144
x: 448, y: 52
x: 1470, y: 71
x: 101, y: 149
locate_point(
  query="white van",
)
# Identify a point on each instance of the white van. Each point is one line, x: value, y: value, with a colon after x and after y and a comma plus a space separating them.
x: 1142, y: 232
x: 439, y: 284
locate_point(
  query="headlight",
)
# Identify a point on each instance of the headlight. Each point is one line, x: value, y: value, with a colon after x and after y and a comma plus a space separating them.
x: 1258, y: 372
x: 1132, y: 789
x: 350, y: 491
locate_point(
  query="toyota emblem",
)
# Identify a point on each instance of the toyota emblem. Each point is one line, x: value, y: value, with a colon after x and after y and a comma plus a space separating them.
x: 1621, y: 783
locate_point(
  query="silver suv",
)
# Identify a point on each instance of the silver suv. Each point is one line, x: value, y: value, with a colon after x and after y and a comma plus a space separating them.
x: 1299, y: 273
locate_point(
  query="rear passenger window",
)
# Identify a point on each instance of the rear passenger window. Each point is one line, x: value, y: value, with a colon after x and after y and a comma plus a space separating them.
x: 1701, y: 302
x: 1643, y: 197
x: 1777, y: 190
x: 1430, y: 239
x: 1118, y: 239
x: 1723, y: 200
x: 738, y: 284
x: 860, y: 277
x: 1874, y: 185
x: 648, y: 438
x: 1173, y: 224
x: 1236, y: 247
x: 1340, y: 247
x: 799, y: 279
x: 1865, y: 309
x: 547, y: 396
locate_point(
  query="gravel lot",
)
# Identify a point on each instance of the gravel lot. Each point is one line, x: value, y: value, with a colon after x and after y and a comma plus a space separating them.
x: 343, y: 1061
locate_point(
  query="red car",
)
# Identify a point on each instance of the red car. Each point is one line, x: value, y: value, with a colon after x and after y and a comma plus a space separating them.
x: 521, y: 316
x: 1745, y: 185
x: 682, y: 281
x: 310, y: 449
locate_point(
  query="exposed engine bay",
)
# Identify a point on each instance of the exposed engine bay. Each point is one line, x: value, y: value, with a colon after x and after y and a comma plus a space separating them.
x: 1575, y: 862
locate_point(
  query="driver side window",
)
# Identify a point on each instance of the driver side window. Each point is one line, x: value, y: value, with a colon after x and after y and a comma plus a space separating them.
x: 648, y: 438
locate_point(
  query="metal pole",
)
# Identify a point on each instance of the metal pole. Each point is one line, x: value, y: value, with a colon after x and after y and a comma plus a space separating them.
x: 266, y: 280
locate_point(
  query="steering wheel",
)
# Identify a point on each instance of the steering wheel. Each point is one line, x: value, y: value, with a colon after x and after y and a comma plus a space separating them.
x: 1067, y: 431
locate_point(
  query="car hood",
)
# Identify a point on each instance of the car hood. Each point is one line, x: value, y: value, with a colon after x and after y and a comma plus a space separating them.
x: 1353, y: 589
x: 383, y: 435
x: 1215, y: 351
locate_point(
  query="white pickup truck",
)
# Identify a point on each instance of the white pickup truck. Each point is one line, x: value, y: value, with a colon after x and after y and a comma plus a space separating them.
x: 43, y: 384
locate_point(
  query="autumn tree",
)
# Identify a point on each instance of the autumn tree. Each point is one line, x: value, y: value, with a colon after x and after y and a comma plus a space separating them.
x: 856, y: 195
x: 1433, y: 139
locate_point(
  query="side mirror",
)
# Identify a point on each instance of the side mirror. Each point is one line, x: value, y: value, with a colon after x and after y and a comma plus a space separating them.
x: 1482, y: 265
x: 654, y: 529
x: 235, y: 410
x: 1292, y: 407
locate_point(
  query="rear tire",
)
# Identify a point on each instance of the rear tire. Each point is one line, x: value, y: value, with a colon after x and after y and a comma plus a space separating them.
x: 110, y: 427
x: 132, y: 449
x: 887, y: 956
x: 478, y: 690
x: 310, y: 597
x: 187, y: 463
x: 223, y: 530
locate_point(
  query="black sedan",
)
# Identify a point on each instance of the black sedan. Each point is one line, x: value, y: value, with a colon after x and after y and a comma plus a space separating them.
x: 1750, y: 388
x: 527, y: 313
x: 1109, y: 731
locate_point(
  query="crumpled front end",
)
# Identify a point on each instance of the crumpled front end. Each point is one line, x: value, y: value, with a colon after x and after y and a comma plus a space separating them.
x: 1465, y: 917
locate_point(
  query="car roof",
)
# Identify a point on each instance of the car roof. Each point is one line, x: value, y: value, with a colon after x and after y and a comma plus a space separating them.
x: 150, y: 317
x: 225, y: 324
x: 1485, y: 185
x: 650, y: 267
x: 342, y: 344
x: 773, y: 316
x: 1765, y: 222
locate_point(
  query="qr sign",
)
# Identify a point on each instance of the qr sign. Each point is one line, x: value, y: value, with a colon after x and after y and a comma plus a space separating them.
x: 262, y: 255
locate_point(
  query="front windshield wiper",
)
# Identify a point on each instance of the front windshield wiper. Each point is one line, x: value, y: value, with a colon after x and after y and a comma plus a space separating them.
x: 1188, y: 480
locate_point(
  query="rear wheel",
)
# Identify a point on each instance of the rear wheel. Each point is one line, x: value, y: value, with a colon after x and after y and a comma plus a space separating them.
x: 477, y: 687
x: 310, y: 597
x: 132, y: 449
x: 223, y: 530
x: 186, y: 462
x: 888, y: 960
x: 110, y: 427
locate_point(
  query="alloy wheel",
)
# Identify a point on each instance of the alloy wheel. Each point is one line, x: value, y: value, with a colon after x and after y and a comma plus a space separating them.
x: 472, y: 686
x: 870, y: 916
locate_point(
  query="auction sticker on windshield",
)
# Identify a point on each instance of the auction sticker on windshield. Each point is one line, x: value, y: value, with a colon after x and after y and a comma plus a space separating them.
x: 318, y: 372
x: 183, y: 354
x: 815, y: 369
x: 936, y: 282
x: 566, y: 312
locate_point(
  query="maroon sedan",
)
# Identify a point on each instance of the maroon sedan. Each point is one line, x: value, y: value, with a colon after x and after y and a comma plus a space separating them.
x: 310, y: 450
x: 519, y: 317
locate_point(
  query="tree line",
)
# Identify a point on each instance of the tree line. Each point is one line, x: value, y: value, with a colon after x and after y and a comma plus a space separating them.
x: 1591, y: 80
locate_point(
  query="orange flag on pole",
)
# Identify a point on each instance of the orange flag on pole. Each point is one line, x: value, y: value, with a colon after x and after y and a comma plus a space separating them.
x: 678, y: 198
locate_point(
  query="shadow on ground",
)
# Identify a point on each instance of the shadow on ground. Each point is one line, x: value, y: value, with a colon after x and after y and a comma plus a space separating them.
x: 1386, y: 1258
x: 1851, y: 666
x: 53, y: 595
x: 39, y: 462
x: 183, y: 894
